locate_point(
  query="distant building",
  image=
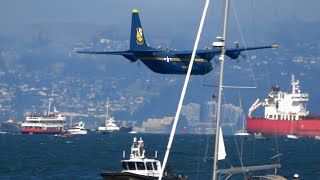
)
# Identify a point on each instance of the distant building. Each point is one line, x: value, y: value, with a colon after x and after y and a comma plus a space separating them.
x: 156, y: 125
x: 198, y: 119
x: 231, y: 119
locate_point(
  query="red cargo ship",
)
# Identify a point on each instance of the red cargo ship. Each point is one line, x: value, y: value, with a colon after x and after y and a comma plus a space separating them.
x: 284, y: 114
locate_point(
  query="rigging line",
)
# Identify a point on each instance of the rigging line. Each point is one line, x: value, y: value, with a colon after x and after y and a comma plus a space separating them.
x: 184, y: 89
x: 207, y: 136
x: 239, y: 149
x: 243, y: 42
x: 242, y: 140
x: 214, y: 110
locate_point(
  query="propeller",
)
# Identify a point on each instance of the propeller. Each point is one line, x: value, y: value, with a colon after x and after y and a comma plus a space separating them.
x: 206, y: 47
x: 236, y: 44
x: 138, y: 63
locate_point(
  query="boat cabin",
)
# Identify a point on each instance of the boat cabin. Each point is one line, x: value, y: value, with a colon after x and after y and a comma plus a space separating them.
x: 138, y: 163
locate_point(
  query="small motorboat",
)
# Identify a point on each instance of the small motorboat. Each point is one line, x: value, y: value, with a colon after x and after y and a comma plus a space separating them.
x: 138, y: 167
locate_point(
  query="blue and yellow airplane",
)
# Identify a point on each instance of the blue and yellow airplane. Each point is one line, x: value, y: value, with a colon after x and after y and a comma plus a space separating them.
x: 170, y: 61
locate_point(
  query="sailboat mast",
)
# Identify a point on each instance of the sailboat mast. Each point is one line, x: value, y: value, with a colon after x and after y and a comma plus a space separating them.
x: 107, y: 112
x: 242, y: 116
x: 218, y: 118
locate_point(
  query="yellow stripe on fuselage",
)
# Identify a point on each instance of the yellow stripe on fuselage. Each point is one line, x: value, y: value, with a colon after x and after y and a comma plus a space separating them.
x: 171, y: 59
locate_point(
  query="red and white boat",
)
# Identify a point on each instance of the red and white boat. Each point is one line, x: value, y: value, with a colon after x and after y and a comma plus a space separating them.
x: 284, y: 114
x: 51, y: 122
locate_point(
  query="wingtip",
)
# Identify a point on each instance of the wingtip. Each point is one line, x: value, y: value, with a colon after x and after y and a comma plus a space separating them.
x: 275, y: 46
x: 135, y: 11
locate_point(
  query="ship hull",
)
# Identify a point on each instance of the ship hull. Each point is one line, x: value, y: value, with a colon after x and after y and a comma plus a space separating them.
x: 301, y: 128
x: 40, y: 131
x: 131, y: 176
x: 121, y: 130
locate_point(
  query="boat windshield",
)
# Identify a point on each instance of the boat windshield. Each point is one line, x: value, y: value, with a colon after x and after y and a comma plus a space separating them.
x: 124, y: 166
x: 140, y: 166
x: 149, y: 166
x: 131, y: 166
x: 155, y: 166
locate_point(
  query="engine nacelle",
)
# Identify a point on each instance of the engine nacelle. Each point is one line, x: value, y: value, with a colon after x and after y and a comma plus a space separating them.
x: 233, y: 54
x: 132, y: 58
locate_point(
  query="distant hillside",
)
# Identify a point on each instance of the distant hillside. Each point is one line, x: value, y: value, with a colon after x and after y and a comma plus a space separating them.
x: 42, y: 55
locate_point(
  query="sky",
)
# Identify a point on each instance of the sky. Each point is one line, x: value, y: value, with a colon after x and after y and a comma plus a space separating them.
x: 110, y: 11
x: 175, y: 18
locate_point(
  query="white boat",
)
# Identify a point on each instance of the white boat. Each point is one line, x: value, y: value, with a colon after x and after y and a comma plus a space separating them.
x: 242, y: 133
x: 133, y: 132
x: 110, y: 125
x: 258, y: 136
x: 292, y: 136
x: 140, y: 167
x: 78, y: 128
x: 51, y: 122
x: 317, y: 137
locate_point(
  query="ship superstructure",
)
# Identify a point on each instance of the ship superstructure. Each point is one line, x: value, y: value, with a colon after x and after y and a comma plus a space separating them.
x: 51, y: 122
x: 284, y: 114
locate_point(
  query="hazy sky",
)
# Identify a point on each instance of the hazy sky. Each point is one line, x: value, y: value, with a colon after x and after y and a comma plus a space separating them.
x: 112, y: 11
x: 173, y: 17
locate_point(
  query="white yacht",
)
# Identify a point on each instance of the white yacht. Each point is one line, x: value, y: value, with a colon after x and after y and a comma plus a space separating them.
x: 111, y: 126
x: 78, y: 128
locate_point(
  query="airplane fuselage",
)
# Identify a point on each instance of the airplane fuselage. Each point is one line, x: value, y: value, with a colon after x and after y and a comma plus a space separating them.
x: 169, y: 63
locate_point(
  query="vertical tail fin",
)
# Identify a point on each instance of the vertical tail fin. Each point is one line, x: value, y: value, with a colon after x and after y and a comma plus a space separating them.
x: 137, y: 40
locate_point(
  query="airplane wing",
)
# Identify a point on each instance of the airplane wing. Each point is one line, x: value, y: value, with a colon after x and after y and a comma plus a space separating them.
x: 105, y: 52
x: 233, y: 53
x: 127, y: 54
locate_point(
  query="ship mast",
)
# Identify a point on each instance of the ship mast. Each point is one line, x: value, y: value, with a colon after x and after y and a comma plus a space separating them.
x: 218, y: 117
x: 49, y: 106
x: 295, y: 85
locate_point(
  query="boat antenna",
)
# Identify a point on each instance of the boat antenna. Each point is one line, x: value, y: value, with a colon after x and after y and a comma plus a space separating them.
x: 218, y: 118
x: 174, y: 126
